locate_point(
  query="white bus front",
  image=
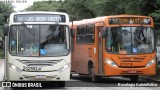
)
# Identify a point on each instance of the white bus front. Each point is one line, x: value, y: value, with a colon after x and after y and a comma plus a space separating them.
x: 37, y: 49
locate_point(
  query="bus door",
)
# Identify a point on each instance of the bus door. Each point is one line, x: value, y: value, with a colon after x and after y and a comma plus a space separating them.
x: 100, y: 51
x: 72, y: 50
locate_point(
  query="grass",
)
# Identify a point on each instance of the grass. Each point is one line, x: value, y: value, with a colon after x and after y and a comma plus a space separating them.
x: 1, y: 54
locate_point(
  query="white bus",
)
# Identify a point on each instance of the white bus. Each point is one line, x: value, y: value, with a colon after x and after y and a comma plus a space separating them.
x: 37, y: 47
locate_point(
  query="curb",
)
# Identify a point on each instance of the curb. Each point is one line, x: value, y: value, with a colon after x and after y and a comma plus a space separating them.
x: 1, y: 62
x: 151, y: 79
x: 1, y: 70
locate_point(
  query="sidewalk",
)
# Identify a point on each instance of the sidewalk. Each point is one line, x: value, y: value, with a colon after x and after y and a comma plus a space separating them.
x: 1, y: 62
x: 1, y: 69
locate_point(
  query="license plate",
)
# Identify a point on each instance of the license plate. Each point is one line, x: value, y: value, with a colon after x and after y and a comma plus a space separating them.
x: 132, y: 71
x: 126, y: 64
x: 40, y: 76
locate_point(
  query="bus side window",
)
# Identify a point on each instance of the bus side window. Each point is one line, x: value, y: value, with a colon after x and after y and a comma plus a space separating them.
x: 89, y: 35
x: 80, y: 34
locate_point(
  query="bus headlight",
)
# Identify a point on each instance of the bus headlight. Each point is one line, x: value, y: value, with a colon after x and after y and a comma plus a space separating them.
x: 150, y: 62
x: 62, y: 69
x: 110, y: 62
x: 15, y: 68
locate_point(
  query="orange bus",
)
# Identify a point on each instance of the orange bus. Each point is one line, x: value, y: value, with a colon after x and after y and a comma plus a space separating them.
x: 118, y: 45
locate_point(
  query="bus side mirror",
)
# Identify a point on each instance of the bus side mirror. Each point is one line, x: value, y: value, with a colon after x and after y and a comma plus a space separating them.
x: 104, y: 32
x: 5, y: 30
x: 72, y: 33
x: 156, y: 38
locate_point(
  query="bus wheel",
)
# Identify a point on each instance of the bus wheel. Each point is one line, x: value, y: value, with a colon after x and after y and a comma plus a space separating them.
x: 71, y: 76
x: 134, y: 78
x: 92, y: 74
x: 61, y: 84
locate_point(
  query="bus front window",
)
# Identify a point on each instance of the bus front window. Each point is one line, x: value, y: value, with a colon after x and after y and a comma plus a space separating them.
x: 39, y: 40
x: 130, y: 40
x: 53, y: 40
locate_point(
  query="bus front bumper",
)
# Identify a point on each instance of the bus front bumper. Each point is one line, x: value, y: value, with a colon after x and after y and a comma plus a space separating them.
x: 116, y: 71
x: 38, y: 76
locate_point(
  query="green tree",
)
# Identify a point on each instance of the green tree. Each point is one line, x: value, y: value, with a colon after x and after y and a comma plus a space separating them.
x: 77, y: 9
x: 44, y: 6
x: 140, y: 7
x: 81, y: 9
x: 5, y: 10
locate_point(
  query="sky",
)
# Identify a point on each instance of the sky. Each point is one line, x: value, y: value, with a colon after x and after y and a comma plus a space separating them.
x: 18, y: 6
x: 22, y: 6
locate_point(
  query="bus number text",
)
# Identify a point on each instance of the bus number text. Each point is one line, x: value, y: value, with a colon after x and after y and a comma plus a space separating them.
x: 127, y: 64
x: 28, y: 68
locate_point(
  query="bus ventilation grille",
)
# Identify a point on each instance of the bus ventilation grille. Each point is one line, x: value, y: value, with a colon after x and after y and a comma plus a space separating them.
x: 132, y: 59
x: 40, y: 62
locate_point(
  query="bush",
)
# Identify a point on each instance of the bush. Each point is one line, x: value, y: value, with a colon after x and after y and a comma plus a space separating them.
x: 1, y: 54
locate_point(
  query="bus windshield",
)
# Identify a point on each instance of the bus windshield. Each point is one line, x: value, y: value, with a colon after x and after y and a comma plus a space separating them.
x: 39, y: 40
x: 130, y: 40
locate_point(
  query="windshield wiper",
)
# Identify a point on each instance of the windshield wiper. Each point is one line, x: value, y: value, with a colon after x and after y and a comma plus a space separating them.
x: 23, y: 24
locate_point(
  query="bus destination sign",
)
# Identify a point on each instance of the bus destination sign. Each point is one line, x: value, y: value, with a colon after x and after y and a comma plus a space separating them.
x: 39, y: 18
x: 130, y: 20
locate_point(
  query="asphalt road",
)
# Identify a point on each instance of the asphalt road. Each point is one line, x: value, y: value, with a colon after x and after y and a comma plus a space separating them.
x: 111, y: 83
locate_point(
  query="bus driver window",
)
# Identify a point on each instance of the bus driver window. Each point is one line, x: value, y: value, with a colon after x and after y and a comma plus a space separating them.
x: 139, y: 37
x: 112, y: 40
x: 57, y: 35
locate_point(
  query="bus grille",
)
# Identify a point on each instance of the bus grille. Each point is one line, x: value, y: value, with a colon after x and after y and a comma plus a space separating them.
x: 34, y: 77
x: 40, y: 62
x: 132, y: 59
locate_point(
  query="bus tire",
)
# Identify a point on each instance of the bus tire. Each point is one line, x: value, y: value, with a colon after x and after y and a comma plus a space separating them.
x: 71, y: 76
x: 92, y: 73
x: 134, y: 78
x: 61, y: 84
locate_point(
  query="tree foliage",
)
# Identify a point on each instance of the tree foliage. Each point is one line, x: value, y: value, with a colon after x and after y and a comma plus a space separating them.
x: 81, y: 9
x: 44, y: 6
x: 5, y: 10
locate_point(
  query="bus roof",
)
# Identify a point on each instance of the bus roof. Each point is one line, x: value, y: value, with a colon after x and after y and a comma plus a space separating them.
x: 35, y: 12
x: 102, y: 19
x: 86, y: 21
